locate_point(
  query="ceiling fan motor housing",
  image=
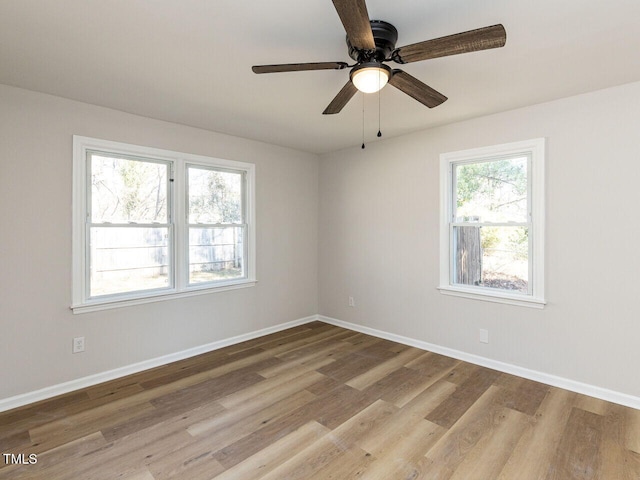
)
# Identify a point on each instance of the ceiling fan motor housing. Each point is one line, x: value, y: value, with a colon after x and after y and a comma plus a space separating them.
x: 385, y: 37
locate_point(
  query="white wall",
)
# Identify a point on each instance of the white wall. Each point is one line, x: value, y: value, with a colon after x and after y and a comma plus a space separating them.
x: 378, y: 241
x: 36, y: 325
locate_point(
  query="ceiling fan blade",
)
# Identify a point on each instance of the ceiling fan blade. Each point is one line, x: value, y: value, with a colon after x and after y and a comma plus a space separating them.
x: 471, y: 41
x: 298, y: 67
x: 340, y: 100
x: 355, y: 19
x: 416, y: 89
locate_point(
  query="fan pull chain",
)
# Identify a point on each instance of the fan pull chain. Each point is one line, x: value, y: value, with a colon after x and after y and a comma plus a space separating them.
x: 363, y: 120
x: 379, y: 132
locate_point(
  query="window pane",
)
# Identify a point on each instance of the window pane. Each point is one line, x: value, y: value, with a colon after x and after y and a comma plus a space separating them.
x: 127, y: 259
x: 215, y: 254
x: 494, y: 191
x: 214, y: 196
x: 493, y: 257
x: 126, y: 190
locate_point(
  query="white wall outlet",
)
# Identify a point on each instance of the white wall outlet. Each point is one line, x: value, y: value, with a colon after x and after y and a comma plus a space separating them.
x: 483, y: 336
x: 78, y: 344
x: 352, y: 302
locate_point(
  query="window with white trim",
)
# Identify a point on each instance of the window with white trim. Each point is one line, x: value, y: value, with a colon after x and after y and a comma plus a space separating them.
x: 492, y: 223
x: 151, y: 224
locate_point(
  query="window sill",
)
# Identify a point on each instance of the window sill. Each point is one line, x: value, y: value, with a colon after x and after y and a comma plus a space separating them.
x: 497, y: 297
x: 98, y: 305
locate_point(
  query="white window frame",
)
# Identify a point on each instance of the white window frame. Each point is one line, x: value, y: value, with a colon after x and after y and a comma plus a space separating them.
x: 178, y: 284
x: 535, y: 150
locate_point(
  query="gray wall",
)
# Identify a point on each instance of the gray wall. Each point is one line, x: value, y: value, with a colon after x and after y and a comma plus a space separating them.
x: 36, y: 325
x: 379, y: 218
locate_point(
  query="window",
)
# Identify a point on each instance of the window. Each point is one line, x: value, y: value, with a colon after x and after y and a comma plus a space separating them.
x: 492, y: 223
x: 152, y: 224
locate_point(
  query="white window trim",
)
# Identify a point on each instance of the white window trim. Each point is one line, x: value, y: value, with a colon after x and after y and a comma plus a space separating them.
x: 80, y: 303
x: 536, y: 149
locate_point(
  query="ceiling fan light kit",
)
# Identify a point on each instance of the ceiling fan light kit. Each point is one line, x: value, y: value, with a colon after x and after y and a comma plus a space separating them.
x: 370, y: 77
x: 372, y: 42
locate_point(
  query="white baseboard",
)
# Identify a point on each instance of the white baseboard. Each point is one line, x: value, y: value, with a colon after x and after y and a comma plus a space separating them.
x: 555, y: 381
x: 84, y: 382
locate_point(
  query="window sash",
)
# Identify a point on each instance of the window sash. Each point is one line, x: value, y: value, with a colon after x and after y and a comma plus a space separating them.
x: 453, y: 250
x: 489, y: 159
x: 169, y: 180
x: 91, y: 262
x: 243, y: 256
x: 243, y: 191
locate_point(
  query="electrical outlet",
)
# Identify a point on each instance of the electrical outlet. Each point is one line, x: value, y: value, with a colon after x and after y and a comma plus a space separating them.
x: 352, y: 302
x: 483, y: 336
x: 78, y: 345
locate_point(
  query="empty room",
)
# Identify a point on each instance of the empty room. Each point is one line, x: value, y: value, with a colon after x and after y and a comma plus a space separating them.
x: 319, y: 240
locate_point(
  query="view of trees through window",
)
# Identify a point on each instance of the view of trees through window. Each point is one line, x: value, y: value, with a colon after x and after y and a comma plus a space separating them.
x: 216, y: 246
x: 129, y: 235
x: 490, y: 225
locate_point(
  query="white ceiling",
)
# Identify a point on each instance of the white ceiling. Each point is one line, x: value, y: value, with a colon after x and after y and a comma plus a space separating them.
x: 189, y: 61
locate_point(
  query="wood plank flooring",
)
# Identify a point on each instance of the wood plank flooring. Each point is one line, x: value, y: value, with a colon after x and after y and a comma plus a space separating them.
x: 321, y: 402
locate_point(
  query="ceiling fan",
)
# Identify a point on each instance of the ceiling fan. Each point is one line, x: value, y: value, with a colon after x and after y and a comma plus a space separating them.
x: 371, y: 43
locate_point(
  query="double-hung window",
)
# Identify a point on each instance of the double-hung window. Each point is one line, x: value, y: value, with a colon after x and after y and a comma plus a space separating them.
x: 492, y: 223
x: 216, y: 224
x: 152, y: 224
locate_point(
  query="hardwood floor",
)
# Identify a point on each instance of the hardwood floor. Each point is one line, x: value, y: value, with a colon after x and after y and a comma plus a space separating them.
x: 321, y: 402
